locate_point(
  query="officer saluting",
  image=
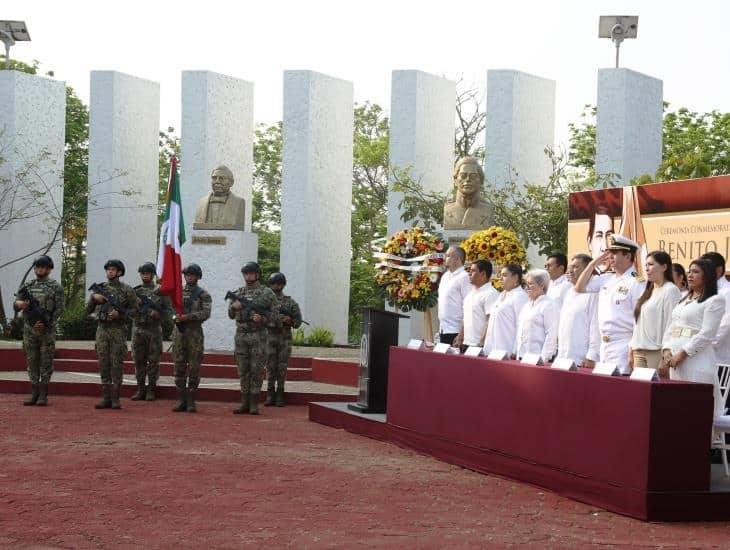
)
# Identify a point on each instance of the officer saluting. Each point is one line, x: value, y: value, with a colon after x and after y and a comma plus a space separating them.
x: 618, y: 293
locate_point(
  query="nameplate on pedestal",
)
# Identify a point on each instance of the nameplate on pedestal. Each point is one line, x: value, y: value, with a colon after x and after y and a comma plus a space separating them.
x: 564, y: 363
x: 531, y: 359
x: 443, y: 347
x: 642, y: 373
x: 606, y: 369
x: 497, y: 355
x: 415, y: 343
x: 204, y: 239
x: 473, y: 351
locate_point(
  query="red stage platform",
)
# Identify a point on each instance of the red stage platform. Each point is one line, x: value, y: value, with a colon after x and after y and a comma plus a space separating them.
x: 632, y: 447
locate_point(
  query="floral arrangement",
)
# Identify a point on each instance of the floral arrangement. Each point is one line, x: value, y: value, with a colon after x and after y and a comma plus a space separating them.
x: 409, y: 267
x: 496, y: 244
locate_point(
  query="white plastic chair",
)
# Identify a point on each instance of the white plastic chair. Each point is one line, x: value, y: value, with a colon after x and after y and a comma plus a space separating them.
x: 721, y: 425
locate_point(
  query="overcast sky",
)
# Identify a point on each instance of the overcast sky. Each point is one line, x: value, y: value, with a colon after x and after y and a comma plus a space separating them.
x: 683, y: 43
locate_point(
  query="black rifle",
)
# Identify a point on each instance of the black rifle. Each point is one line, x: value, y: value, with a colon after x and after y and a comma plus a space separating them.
x: 111, y: 302
x: 34, y: 312
x: 148, y: 304
x: 289, y: 312
x: 249, y: 308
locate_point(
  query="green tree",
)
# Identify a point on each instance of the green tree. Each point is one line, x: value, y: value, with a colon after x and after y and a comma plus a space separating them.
x: 694, y: 145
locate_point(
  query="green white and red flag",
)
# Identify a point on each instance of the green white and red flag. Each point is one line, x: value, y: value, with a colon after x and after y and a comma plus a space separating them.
x: 172, y: 237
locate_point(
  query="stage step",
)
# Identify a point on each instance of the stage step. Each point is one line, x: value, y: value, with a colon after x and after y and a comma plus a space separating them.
x: 208, y: 370
x: 211, y: 389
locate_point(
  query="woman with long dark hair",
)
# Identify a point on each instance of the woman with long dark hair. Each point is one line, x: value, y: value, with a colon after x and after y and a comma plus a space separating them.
x: 680, y: 278
x: 653, y: 311
x: 502, y: 324
x: 687, y: 349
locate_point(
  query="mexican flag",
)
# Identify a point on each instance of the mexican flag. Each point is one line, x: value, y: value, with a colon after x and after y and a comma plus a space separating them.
x: 172, y: 237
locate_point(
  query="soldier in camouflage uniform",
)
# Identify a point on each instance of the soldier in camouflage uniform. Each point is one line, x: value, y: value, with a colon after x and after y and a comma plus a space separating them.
x: 289, y: 316
x: 147, y: 333
x: 112, y: 311
x: 251, y: 337
x: 39, y: 339
x: 187, y: 339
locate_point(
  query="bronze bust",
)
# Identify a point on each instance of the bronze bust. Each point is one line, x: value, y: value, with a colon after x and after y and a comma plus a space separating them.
x: 467, y: 210
x: 220, y: 209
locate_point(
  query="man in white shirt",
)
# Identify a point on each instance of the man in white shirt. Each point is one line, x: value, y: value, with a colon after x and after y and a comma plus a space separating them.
x: 477, y: 305
x: 722, y: 340
x: 577, y: 332
x: 453, y: 288
x: 556, y: 266
x: 617, y: 296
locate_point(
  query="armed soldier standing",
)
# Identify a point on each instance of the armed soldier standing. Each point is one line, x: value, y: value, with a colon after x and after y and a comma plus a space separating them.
x: 188, y: 340
x: 113, y: 303
x: 41, y: 304
x: 147, y: 333
x: 253, y: 308
x: 289, y: 316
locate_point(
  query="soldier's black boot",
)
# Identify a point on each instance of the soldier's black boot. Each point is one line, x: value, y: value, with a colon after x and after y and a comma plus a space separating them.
x: 280, y: 396
x: 42, y: 394
x: 151, y: 391
x: 115, y: 391
x: 191, y: 400
x: 181, y: 399
x: 106, y: 400
x: 141, y: 392
x: 243, y: 407
x: 270, y: 394
x: 253, y: 403
x: 33, y: 399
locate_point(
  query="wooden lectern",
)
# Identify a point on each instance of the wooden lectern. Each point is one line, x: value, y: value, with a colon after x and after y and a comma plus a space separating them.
x: 379, y: 332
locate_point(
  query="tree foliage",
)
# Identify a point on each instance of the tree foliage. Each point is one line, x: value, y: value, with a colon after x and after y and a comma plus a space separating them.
x: 694, y: 145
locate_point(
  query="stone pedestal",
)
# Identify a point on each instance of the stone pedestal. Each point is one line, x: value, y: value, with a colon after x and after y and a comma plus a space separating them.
x: 220, y: 254
x: 124, y: 128
x: 32, y: 134
x: 520, y: 125
x: 455, y: 236
x: 316, y: 199
x: 628, y: 124
x: 217, y: 128
x: 422, y: 138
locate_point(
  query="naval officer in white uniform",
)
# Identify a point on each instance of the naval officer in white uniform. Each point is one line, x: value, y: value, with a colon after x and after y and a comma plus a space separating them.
x: 618, y: 293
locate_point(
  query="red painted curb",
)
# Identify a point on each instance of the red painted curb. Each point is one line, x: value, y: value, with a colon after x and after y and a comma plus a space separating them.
x: 342, y: 373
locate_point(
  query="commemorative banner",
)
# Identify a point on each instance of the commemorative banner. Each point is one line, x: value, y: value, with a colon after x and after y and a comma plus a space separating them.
x: 684, y: 218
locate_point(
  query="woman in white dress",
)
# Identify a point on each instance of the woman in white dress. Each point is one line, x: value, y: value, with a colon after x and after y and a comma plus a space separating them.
x: 653, y: 311
x: 537, y: 325
x: 687, y: 348
x: 502, y: 325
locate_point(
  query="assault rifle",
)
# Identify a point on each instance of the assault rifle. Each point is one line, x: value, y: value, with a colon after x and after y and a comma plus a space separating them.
x: 289, y: 312
x: 34, y: 312
x: 111, y: 302
x: 148, y: 304
x: 249, y: 308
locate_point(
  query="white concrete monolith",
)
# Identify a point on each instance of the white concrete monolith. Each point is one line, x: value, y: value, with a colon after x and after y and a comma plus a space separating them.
x: 422, y: 139
x: 32, y: 136
x: 217, y: 129
x: 629, y: 115
x: 317, y: 196
x: 124, y: 125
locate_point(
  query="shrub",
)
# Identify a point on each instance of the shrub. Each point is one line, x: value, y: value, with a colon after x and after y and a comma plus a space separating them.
x: 297, y: 337
x: 75, y: 324
x: 320, y: 337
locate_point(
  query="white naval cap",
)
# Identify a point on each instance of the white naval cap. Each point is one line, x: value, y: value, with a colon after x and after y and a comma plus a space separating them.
x: 619, y: 242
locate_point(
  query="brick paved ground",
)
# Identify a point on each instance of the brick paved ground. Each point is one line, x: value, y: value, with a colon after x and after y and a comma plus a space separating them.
x: 73, y: 477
